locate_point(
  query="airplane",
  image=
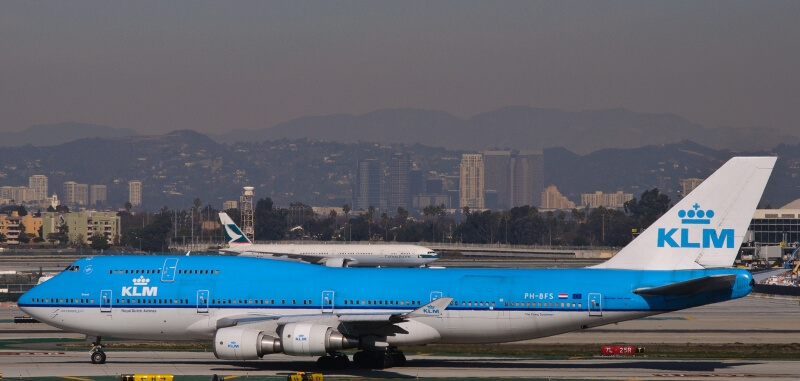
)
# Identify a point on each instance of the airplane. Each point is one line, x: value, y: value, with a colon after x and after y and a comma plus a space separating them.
x: 250, y: 307
x: 331, y: 255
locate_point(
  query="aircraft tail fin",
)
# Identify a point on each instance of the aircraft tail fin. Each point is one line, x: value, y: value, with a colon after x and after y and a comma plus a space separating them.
x: 233, y: 234
x: 706, y: 228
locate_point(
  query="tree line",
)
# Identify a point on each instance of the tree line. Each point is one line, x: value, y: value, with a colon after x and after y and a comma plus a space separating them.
x: 524, y: 225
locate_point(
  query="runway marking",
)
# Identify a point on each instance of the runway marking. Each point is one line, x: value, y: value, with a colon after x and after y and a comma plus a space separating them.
x: 726, y: 375
x: 77, y: 378
x: 666, y: 318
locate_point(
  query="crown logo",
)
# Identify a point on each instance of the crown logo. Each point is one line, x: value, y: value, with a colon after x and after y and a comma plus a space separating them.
x: 696, y: 216
x: 141, y: 281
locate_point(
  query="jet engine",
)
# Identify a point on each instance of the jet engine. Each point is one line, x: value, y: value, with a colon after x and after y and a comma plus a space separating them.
x: 236, y: 343
x: 306, y: 339
x: 297, y: 339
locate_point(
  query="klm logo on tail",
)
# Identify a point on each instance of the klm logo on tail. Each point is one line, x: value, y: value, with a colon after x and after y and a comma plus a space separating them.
x: 710, y: 238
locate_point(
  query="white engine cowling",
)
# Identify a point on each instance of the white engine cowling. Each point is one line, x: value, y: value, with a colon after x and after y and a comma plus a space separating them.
x: 235, y: 343
x: 306, y: 339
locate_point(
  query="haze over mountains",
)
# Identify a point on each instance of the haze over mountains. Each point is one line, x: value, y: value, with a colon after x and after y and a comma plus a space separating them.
x: 313, y: 159
x: 514, y: 127
x: 60, y: 133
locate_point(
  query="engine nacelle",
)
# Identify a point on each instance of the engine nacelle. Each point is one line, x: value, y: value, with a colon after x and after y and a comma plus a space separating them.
x: 306, y: 339
x: 234, y: 343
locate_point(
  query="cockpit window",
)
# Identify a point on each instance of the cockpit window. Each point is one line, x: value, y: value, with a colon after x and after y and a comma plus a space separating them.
x: 74, y: 268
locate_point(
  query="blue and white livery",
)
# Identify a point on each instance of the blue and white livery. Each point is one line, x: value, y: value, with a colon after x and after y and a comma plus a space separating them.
x: 251, y: 307
x: 331, y: 255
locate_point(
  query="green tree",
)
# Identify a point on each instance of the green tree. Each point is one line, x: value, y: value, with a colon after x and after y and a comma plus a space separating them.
x: 99, y: 242
x: 402, y: 215
x: 24, y: 236
x: 369, y: 216
x: 152, y: 237
x: 385, y: 223
x: 479, y: 227
x: 609, y: 227
x: 2, y: 237
x: 269, y: 224
x: 650, y: 207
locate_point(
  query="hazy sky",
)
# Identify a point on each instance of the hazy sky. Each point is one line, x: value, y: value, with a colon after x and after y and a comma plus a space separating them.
x: 157, y: 66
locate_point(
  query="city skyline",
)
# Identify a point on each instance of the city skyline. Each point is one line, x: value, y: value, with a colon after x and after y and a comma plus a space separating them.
x: 218, y: 67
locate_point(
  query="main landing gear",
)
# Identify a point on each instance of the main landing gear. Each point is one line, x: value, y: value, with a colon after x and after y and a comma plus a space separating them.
x: 334, y: 360
x: 97, y: 354
x: 379, y: 359
x: 374, y: 359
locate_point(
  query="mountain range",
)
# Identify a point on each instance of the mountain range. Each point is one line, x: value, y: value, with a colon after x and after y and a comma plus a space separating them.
x: 60, y: 133
x: 181, y: 166
x: 518, y: 127
x: 514, y: 127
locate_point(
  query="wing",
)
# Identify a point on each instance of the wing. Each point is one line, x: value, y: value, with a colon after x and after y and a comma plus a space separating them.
x: 432, y: 309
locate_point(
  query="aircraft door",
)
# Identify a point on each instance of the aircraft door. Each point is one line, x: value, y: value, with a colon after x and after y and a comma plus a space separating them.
x: 595, y: 304
x: 202, y: 301
x: 327, y: 302
x: 169, y: 270
x: 105, y: 301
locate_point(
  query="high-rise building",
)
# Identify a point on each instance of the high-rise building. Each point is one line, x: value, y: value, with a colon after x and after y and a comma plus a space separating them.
x: 38, y: 183
x: 16, y: 195
x: 553, y: 199
x: 471, y: 181
x: 399, y: 182
x: 497, y: 176
x: 527, y: 178
x: 68, y: 195
x: 688, y: 185
x: 82, y: 194
x: 230, y: 204
x: 434, y: 186
x: 135, y: 192
x: 606, y: 200
x: 416, y: 182
x: 367, y: 190
x: 98, y: 195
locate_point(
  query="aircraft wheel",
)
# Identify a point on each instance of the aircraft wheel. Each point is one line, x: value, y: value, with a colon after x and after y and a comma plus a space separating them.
x: 398, y: 358
x: 341, y: 362
x: 98, y: 357
x: 325, y: 362
x: 385, y: 360
x: 360, y: 360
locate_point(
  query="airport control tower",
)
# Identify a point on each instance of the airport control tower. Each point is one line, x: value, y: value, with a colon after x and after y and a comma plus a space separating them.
x: 246, y: 202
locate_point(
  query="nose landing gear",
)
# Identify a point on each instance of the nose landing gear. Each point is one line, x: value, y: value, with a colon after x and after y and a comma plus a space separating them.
x: 97, y: 354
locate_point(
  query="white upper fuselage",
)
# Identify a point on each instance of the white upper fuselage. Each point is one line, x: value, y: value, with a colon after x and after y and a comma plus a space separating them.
x: 341, y: 255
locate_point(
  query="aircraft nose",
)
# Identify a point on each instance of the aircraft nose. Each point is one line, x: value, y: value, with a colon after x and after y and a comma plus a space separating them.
x: 24, y: 302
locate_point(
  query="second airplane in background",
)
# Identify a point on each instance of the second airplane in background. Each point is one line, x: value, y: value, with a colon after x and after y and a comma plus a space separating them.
x: 331, y: 255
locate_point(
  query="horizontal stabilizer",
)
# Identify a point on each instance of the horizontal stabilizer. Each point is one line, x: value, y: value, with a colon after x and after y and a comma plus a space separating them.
x: 434, y: 308
x: 691, y: 287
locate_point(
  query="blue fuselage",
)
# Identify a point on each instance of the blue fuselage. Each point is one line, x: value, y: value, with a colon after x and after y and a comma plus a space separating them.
x: 160, y: 296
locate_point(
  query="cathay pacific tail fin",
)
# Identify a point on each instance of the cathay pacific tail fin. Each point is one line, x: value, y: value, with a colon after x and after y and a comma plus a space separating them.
x: 232, y: 232
x: 704, y: 229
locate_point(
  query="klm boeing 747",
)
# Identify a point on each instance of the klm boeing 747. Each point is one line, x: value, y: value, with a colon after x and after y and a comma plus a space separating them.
x: 331, y: 255
x: 249, y: 307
